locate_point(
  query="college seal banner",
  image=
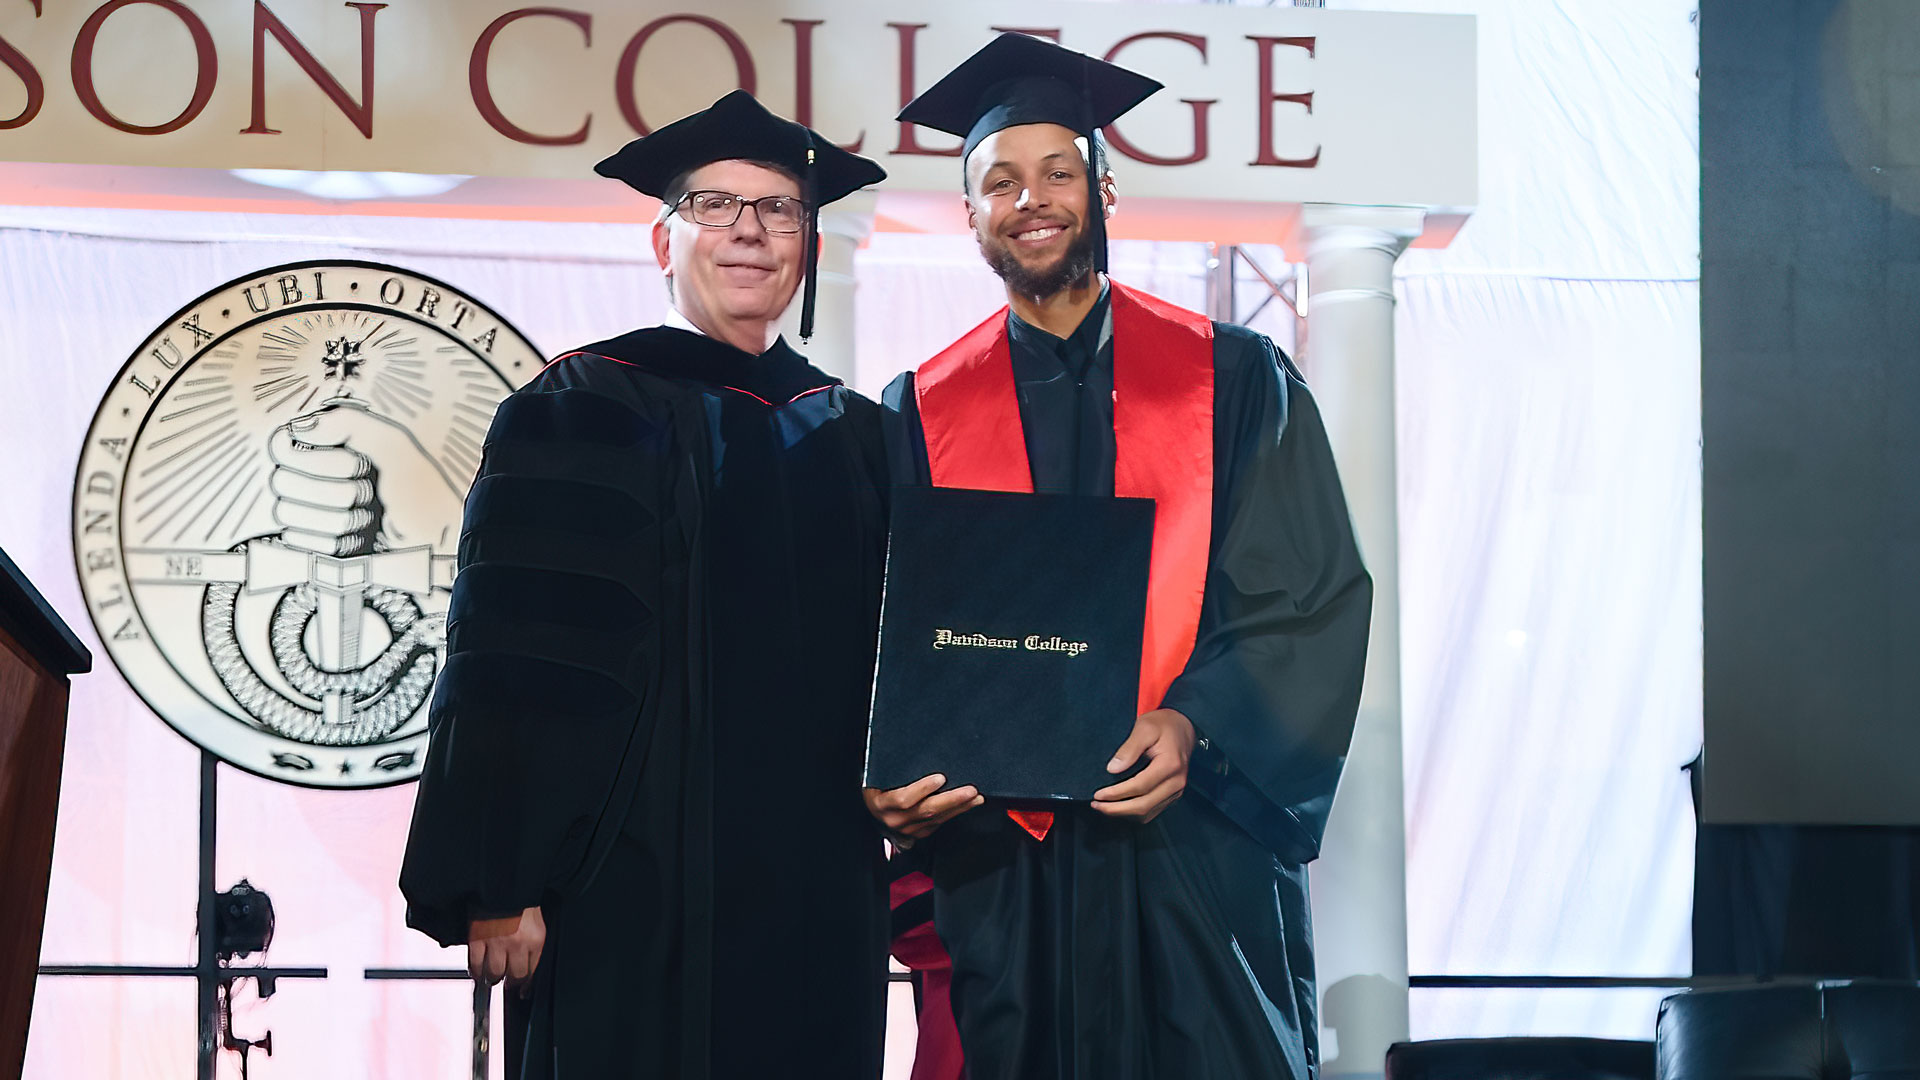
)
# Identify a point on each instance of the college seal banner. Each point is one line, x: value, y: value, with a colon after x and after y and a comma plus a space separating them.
x: 267, y: 507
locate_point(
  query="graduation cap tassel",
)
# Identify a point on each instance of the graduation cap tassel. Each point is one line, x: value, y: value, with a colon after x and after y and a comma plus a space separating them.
x: 1097, y: 212
x: 810, y: 286
x: 1095, y: 208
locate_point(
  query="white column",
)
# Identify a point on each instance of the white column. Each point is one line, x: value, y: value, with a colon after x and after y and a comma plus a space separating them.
x: 1359, y: 884
x: 844, y: 226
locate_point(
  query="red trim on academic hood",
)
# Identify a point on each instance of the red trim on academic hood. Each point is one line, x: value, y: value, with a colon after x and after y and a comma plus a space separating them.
x: 580, y: 352
x: 936, y: 1048
x: 735, y: 389
x: 789, y: 401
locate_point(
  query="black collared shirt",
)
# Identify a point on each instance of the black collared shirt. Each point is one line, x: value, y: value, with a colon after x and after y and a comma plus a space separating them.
x: 1066, y: 401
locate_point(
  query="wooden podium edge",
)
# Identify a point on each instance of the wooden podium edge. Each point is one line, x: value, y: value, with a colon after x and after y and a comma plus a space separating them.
x: 38, y: 652
x: 32, y: 622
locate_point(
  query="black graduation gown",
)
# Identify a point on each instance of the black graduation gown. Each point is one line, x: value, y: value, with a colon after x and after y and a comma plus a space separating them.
x: 651, y: 721
x: 1181, y: 948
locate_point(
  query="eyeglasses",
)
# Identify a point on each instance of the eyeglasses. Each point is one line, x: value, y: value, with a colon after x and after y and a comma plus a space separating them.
x: 720, y: 209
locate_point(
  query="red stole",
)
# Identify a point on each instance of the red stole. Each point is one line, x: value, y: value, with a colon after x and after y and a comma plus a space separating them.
x: 1163, y: 450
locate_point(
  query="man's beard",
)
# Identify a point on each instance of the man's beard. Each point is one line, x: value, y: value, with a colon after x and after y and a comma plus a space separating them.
x: 1071, y: 268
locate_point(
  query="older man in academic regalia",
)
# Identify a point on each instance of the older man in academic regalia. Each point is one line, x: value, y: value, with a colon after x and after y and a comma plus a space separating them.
x: 1142, y: 935
x: 641, y: 799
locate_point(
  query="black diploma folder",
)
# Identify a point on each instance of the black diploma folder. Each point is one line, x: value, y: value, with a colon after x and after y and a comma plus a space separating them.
x: 1009, y: 641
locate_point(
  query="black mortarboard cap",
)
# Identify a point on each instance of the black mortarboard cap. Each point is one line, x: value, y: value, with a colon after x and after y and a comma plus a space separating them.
x: 739, y: 127
x: 1019, y: 79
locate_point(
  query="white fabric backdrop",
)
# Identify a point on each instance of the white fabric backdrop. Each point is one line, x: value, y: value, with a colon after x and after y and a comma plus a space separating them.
x: 1548, y: 399
x: 1549, y: 517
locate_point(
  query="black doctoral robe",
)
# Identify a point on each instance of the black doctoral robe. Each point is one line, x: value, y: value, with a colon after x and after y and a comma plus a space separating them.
x: 1181, y: 948
x: 652, y: 717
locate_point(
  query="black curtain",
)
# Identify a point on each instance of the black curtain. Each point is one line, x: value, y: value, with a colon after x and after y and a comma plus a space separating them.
x: 1832, y: 901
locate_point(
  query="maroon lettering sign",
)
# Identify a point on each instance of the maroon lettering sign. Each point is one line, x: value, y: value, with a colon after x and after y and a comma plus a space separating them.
x: 206, y: 67
x: 266, y: 22
x: 29, y: 78
x: 630, y: 62
x: 807, y: 32
x: 1268, y: 98
x: 483, y: 93
x: 803, y: 77
x: 909, y: 134
x: 1199, y: 107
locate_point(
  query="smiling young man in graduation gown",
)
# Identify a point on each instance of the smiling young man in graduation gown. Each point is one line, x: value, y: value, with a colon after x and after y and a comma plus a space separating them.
x: 1144, y: 935
x: 641, y: 800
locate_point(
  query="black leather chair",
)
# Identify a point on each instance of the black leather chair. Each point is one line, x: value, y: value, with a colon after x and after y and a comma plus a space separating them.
x: 1876, y: 1028
x: 1521, y: 1059
x: 1861, y: 1030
